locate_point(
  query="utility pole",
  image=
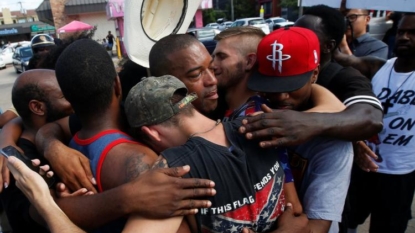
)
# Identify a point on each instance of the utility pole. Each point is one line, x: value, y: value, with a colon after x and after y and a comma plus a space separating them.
x: 23, y: 11
x: 232, y: 10
x: 300, y: 9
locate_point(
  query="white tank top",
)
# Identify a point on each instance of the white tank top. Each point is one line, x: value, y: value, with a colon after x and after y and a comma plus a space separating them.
x: 396, y: 91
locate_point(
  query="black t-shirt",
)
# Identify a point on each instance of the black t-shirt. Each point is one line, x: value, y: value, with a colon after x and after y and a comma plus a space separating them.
x: 349, y: 85
x: 15, y: 203
x: 110, y: 39
x: 248, y: 180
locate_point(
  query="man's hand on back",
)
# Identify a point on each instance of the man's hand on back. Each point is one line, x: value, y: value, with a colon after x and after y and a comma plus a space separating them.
x: 162, y: 193
x: 71, y: 166
x: 363, y: 157
x: 280, y: 128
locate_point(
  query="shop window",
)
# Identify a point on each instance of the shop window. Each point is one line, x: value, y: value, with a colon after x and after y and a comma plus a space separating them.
x: 30, y: 19
x: 267, y: 8
x: 21, y: 21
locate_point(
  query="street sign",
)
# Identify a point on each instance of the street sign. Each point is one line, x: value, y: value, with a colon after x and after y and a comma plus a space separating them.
x: 41, y: 28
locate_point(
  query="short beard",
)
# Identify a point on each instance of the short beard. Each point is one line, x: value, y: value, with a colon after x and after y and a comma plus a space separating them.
x: 404, y: 54
x: 235, y: 77
x: 52, y: 114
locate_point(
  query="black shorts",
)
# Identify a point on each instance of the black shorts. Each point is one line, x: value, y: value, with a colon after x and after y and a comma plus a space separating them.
x: 388, y: 198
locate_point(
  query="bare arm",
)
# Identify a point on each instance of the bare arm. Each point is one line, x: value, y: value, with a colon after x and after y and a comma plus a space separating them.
x: 145, y: 196
x: 70, y: 165
x: 346, y: 126
x: 139, y: 224
x: 9, y: 135
x: 124, y: 163
x: 51, y: 132
x: 324, y: 100
x: 6, y: 117
x: 131, y: 190
x: 58, y: 222
x: 37, y: 191
x: 368, y: 66
x: 344, y: 47
x: 11, y: 132
x: 293, y: 128
x: 319, y: 225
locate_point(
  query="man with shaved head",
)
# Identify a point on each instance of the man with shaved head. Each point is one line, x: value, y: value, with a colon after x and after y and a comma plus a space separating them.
x: 38, y: 100
x: 186, y: 58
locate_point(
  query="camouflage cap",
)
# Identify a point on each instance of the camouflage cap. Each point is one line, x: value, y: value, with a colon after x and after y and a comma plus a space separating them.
x: 149, y: 102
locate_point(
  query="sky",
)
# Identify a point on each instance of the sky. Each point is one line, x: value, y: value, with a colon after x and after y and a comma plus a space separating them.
x: 14, y: 5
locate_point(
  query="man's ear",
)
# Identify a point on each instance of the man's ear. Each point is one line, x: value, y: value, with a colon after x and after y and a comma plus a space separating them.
x: 314, y: 76
x: 151, y: 132
x: 250, y: 61
x: 329, y: 46
x: 117, y: 87
x: 37, y: 107
x: 368, y: 19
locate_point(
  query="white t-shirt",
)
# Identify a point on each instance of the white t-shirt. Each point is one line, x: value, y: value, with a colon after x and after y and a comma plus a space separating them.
x: 396, y: 91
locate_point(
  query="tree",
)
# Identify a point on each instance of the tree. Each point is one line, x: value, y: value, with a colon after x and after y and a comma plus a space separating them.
x: 243, y: 9
x: 211, y: 15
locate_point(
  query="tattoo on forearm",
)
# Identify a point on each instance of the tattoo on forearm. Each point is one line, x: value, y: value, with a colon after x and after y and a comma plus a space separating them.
x: 135, y: 166
x: 160, y: 163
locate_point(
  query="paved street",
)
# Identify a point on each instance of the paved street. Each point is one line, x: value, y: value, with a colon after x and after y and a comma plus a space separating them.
x: 7, y: 77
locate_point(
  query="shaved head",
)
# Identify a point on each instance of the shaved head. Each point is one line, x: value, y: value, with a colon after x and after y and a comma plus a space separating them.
x: 39, y: 85
x: 34, y: 76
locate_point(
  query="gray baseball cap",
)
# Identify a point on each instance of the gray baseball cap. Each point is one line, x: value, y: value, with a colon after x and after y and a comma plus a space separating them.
x: 149, y: 101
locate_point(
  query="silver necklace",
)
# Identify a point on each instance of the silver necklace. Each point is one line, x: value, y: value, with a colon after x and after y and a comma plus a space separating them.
x: 216, y: 124
x: 387, y: 104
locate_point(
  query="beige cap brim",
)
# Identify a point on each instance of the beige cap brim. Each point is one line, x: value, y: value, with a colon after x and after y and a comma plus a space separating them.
x: 147, y: 21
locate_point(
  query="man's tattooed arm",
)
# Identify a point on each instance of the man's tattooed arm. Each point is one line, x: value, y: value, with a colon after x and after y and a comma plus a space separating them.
x: 135, y: 166
x: 160, y: 163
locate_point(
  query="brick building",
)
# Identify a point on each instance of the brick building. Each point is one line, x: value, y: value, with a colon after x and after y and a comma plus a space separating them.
x: 62, y: 12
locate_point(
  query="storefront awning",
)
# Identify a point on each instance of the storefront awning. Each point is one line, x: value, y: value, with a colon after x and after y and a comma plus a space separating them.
x: 72, y: 7
x: 44, y: 12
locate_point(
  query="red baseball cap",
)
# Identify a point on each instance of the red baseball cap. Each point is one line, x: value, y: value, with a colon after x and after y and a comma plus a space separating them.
x: 286, y: 59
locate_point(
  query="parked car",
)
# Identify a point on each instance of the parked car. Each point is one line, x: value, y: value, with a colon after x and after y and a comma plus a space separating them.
x: 212, y: 25
x: 2, y: 64
x: 255, y: 22
x: 206, y: 36
x: 275, y: 23
x: 21, y: 58
x: 7, y: 53
x: 378, y: 24
x: 225, y: 25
